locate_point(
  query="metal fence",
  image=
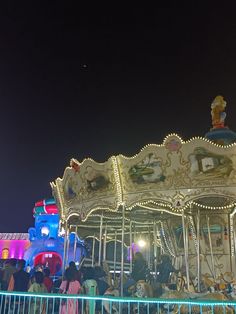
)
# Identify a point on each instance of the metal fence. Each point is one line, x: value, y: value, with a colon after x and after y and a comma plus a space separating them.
x: 18, y: 303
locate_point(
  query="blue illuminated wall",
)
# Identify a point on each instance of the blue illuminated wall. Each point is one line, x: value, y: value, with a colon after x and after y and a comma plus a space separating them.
x: 47, y: 246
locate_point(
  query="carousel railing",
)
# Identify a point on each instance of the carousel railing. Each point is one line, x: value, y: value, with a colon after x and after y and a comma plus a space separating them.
x: 16, y: 302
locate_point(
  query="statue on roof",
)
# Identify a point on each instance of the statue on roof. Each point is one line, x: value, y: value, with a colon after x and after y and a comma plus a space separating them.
x: 217, y: 112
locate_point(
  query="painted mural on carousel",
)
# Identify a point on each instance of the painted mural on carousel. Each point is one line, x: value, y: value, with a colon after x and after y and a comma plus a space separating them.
x: 86, y: 185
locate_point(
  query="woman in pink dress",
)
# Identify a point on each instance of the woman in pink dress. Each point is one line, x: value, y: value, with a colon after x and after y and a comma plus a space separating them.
x: 69, y: 286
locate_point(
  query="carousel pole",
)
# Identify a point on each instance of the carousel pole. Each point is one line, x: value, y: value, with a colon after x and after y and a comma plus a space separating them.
x: 185, y: 249
x: 149, y: 248
x: 75, y: 242
x: 232, y: 239
x: 68, y: 246
x: 114, y: 258
x: 130, y: 251
x: 93, y: 250
x: 210, y: 243
x: 155, y: 247
x: 198, y: 253
x: 122, y: 252
x: 64, y: 250
x: 187, y: 245
x: 234, y: 242
x: 100, y: 241
x: 230, y: 244
x: 105, y: 244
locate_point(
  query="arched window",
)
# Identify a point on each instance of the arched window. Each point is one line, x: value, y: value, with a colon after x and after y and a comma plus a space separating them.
x: 5, y: 253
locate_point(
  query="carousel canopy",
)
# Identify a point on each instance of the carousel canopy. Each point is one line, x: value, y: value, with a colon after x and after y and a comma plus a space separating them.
x: 164, y: 179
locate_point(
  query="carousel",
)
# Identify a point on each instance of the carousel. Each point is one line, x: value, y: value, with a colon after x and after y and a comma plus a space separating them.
x: 177, y: 198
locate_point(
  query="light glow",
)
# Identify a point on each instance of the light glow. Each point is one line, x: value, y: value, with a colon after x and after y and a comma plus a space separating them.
x: 141, y: 243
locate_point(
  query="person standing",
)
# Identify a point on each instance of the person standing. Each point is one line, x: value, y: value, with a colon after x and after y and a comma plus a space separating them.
x: 140, y: 269
x: 73, y: 267
x: 37, y: 305
x: 69, y: 286
x: 20, y: 279
x: 9, y: 270
x: 47, y: 280
x: 164, y: 269
x: 90, y: 288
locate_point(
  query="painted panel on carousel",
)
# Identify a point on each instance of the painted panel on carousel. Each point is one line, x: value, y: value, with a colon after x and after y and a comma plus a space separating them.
x: 88, y: 185
x: 148, y: 170
x: 144, y: 171
x: 177, y: 165
x: 206, y: 165
x: 160, y: 173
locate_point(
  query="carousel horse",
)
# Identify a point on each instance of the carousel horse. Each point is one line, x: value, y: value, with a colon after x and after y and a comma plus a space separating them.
x: 224, y: 282
x: 143, y: 289
x: 210, y: 293
x: 184, y: 308
x: 111, y: 308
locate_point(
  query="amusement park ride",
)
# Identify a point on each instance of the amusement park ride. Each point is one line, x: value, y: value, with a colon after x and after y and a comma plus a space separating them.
x: 178, y: 198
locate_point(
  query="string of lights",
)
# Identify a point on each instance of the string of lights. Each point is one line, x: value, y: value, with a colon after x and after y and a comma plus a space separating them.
x: 165, y: 240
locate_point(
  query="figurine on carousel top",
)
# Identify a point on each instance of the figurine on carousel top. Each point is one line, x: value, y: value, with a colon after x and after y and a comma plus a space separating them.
x: 219, y: 133
x: 217, y: 112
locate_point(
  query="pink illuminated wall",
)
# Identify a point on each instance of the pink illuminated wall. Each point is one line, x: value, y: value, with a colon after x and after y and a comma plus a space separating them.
x: 16, y: 247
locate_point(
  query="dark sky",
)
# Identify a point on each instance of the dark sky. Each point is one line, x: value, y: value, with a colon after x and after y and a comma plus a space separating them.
x: 149, y: 72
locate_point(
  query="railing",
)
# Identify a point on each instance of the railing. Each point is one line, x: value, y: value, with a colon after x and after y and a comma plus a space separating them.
x: 18, y: 303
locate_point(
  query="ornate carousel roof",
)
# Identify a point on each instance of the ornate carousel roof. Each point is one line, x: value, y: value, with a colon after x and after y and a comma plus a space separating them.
x: 161, y: 180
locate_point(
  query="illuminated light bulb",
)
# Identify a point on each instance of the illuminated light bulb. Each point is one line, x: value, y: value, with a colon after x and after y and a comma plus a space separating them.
x: 62, y: 232
x: 141, y: 243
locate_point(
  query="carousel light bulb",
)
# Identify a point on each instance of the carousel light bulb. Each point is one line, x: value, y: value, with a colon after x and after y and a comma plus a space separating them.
x: 141, y: 243
x: 62, y: 232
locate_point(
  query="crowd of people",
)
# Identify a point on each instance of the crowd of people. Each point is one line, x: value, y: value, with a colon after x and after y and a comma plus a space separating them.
x: 14, y: 277
x: 89, y: 281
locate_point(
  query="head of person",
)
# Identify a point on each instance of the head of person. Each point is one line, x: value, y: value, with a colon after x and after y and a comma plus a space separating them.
x: 138, y: 256
x: 72, y: 265
x: 89, y: 273
x: 99, y: 272
x: 46, y: 272
x: 21, y: 264
x: 38, y: 276
x: 69, y: 274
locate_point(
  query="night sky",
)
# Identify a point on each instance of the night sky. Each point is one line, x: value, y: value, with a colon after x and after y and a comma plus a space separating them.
x: 93, y: 82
